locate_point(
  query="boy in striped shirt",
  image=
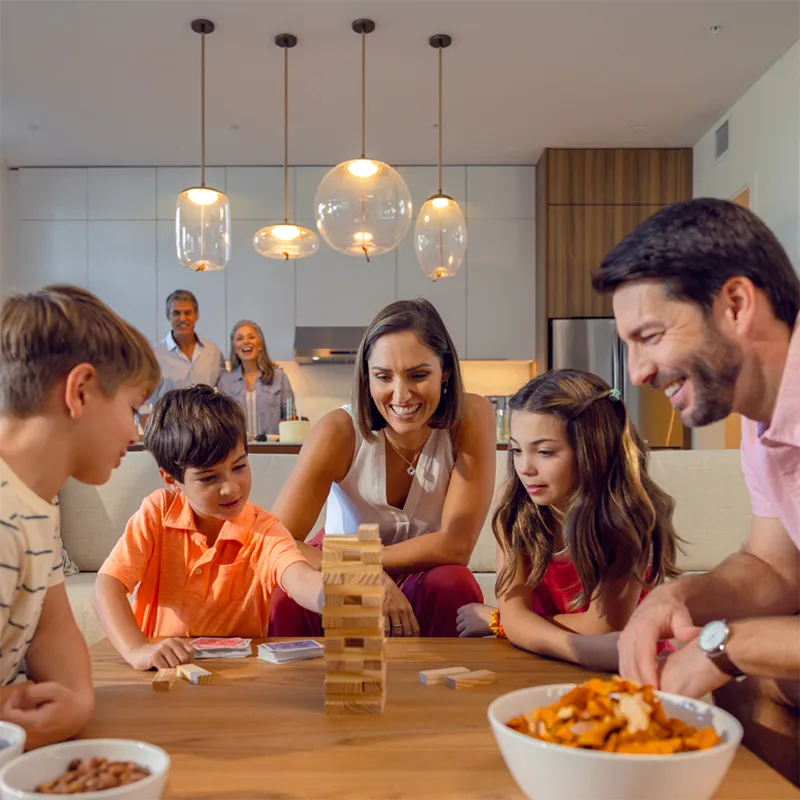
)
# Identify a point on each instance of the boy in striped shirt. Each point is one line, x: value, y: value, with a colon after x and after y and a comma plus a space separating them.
x: 72, y: 374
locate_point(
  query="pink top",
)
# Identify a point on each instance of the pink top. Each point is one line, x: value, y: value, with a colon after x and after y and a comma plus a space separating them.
x: 771, y: 454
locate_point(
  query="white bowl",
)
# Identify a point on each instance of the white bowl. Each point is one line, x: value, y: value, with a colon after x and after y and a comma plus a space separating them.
x: 15, y: 736
x: 20, y: 777
x: 547, y: 771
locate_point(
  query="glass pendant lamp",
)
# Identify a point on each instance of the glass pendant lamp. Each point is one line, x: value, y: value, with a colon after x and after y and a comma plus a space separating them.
x: 440, y: 233
x: 285, y: 240
x: 203, y: 214
x: 363, y: 206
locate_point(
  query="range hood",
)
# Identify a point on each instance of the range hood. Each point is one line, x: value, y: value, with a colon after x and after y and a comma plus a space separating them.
x: 326, y: 345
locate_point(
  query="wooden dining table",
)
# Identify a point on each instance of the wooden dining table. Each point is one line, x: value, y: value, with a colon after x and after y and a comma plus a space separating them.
x: 260, y: 731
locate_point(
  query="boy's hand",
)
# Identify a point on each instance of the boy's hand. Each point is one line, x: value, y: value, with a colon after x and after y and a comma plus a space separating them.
x: 161, y: 655
x: 49, y: 712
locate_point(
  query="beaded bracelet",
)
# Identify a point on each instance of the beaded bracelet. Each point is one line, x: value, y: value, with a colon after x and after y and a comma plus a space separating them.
x: 495, y: 625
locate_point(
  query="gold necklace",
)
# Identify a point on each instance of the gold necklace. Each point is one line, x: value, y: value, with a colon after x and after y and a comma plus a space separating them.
x: 412, y: 465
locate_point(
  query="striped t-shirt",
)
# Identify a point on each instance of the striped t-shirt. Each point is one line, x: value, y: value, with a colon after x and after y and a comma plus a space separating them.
x: 30, y: 562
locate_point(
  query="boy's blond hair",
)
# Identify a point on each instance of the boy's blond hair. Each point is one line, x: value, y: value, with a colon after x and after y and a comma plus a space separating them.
x: 47, y: 333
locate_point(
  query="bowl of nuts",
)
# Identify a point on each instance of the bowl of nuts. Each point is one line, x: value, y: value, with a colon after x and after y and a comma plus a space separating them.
x: 89, y: 769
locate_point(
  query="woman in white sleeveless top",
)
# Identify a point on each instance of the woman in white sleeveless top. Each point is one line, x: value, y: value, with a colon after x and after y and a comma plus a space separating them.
x: 416, y: 455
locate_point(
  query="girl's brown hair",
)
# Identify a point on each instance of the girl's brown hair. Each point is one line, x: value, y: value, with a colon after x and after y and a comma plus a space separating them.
x: 421, y: 318
x: 265, y: 364
x: 618, y: 522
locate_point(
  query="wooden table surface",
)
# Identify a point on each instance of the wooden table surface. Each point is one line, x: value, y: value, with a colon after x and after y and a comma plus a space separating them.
x: 259, y: 731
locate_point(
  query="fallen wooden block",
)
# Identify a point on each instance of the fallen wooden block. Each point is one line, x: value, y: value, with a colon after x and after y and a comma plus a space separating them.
x: 369, y: 532
x: 163, y: 680
x: 194, y: 674
x: 464, y: 680
x: 434, y: 677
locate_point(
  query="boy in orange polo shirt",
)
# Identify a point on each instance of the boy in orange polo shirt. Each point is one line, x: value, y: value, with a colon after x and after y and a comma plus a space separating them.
x: 206, y: 559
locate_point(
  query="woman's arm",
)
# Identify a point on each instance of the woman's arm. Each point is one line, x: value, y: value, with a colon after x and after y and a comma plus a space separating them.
x: 469, y: 496
x: 590, y: 641
x: 324, y: 459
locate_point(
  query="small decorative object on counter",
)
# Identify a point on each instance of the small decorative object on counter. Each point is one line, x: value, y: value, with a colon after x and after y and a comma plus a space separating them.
x: 293, y: 427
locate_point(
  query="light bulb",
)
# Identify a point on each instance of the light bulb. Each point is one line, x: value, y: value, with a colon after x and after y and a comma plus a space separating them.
x: 362, y: 168
x: 285, y: 232
x: 440, y: 237
x: 285, y: 241
x: 440, y: 202
x: 202, y: 197
x: 362, y: 236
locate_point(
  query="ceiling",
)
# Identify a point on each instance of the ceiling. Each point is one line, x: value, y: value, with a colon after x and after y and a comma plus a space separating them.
x: 117, y: 82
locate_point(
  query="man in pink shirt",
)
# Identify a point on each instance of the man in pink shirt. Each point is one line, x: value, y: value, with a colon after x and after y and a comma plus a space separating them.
x: 707, y: 301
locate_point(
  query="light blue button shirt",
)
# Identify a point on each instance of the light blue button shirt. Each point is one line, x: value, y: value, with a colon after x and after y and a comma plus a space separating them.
x: 178, y: 372
x: 270, y: 397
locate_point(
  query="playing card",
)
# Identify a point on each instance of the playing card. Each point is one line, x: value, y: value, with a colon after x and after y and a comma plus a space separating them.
x: 283, y: 652
x: 289, y: 647
x: 211, y: 643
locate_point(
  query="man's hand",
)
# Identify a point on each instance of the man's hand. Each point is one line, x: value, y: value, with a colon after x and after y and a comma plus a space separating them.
x: 161, y: 655
x: 690, y: 672
x: 49, y: 712
x: 660, y: 616
x: 400, y: 619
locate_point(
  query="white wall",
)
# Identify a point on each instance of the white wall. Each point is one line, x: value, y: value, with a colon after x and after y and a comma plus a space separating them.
x: 112, y: 231
x: 764, y: 152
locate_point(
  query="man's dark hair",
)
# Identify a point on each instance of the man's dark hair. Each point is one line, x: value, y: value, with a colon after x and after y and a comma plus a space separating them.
x: 196, y: 427
x: 694, y: 248
x: 185, y: 296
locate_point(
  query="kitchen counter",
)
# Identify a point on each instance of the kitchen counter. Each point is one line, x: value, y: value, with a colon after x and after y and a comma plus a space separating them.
x: 277, y: 448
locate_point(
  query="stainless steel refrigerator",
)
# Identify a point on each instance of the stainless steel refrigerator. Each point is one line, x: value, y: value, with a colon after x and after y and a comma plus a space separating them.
x: 593, y: 345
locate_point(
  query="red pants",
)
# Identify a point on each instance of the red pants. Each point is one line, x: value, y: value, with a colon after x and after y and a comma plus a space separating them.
x: 435, y: 595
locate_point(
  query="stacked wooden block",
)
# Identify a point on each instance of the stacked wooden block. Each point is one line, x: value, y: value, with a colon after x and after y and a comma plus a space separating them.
x: 355, y: 672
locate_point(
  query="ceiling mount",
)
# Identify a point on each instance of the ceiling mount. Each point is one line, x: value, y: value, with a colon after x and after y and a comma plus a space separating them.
x: 202, y: 26
x: 286, y: 40
x: 363, y: 26
x: 440, y: 40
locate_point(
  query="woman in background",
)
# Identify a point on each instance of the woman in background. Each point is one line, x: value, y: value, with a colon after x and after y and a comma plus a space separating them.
x: 260, y: 386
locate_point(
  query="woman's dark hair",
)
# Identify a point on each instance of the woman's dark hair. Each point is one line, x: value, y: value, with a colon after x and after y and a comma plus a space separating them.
x: 618, y: 522
x: 694, y: 248
x: 196, y: 427
x: 421, y: 318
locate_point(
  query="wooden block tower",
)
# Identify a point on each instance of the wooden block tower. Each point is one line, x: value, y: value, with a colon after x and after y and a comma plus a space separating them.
x: 355, y: 672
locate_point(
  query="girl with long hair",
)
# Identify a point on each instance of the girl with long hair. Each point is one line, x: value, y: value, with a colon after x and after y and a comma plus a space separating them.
x: 583, y: 532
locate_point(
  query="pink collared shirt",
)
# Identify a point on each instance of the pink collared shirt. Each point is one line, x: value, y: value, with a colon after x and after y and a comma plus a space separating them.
x: 771, y: 454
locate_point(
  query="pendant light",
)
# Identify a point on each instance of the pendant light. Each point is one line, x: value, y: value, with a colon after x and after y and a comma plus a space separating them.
x: 363, y: 206
x: 284, y: 240
x: 203, y: 214
x: 440, y: 234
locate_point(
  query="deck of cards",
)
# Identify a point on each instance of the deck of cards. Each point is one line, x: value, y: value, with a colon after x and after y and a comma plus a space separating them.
x: 283, y: 652
x: 209, y: 647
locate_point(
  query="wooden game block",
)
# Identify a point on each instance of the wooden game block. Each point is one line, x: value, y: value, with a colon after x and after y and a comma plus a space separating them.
x: 194, y: 674
x: 351, y: 683
x: 355, y: 705
x: 354, y: 643
x: 464, y: 680
x: 358, y: 626
x: 341, y: 595
x: 352, y: 616
x: 369, y: 532
x: 353, y: 573
x: 347, y: 663
x: 163, y: 680
x: 435, y: 677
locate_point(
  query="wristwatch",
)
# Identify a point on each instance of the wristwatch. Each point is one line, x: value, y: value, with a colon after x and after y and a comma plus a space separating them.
x: 713, y: 641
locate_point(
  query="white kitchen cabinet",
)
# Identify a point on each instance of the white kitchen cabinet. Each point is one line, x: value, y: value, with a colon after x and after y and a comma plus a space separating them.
x: 306, y: 181
x: 122, y: 193
x: 501, y: 193
x: 449, y: 295
x: 208, y: 288
x: 261, y: 289
x: 171, y: 181
x: 501, y: 289
x: 335, y: 289
x: 257, y: 193
x: 52, y: 194
x: 49, y: 252
x: 122, y: 270
x: 422, y: 182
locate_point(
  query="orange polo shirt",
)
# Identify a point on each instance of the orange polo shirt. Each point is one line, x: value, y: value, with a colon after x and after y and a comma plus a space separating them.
x: 190, y: 589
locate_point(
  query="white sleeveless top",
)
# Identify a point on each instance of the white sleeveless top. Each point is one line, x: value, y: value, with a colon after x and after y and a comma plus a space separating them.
x: 361, y: 496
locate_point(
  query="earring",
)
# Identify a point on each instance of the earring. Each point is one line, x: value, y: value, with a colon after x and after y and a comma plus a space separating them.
x: 445, y: 389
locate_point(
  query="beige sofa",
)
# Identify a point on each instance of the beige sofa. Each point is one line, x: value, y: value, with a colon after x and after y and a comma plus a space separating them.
x: 712, y: 513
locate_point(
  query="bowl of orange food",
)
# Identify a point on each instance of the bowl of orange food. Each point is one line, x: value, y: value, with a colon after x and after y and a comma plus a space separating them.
x: 613, y: 740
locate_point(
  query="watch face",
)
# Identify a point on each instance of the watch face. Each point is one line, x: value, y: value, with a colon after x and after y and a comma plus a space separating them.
x: 713, y: 635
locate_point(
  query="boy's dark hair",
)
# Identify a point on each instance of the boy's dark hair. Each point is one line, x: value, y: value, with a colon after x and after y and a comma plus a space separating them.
x: 196, y: 427
x: 694, y: 248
